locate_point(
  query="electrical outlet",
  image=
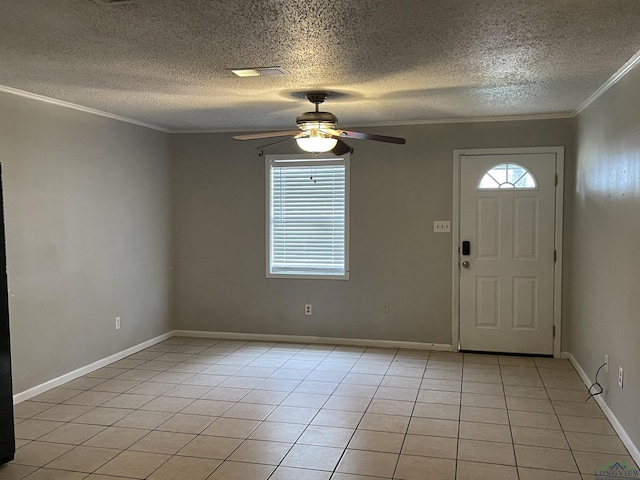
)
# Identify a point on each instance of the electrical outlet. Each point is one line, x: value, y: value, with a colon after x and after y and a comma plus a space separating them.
x: 117, y: 323
x: 621, y: 378
x: 308, y: 309
x: 442, y: 226
x: 386, y: 308
x: 606, y: 363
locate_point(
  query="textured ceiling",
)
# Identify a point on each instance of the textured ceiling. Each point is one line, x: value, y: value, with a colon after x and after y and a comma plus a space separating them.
x: 164, y: 61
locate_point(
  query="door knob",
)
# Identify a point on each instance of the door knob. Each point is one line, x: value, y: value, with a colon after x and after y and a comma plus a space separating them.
x: 465, y: 264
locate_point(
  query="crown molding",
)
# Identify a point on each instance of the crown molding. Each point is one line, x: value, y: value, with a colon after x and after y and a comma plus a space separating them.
x: 74, y: 106
x: 615, y: 78
x: 504, y: 118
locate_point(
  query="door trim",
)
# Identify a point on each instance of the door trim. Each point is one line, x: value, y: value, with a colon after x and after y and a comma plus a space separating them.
x: 455, y: 237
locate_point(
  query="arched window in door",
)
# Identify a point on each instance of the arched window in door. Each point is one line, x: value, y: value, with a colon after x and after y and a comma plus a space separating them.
x: 508, y: 176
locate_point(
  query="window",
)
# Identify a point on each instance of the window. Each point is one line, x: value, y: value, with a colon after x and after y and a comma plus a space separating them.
x: 307, y: 216
x: 508, y: 175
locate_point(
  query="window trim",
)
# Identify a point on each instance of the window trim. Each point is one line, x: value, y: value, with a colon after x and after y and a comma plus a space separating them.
x: 307, y: 159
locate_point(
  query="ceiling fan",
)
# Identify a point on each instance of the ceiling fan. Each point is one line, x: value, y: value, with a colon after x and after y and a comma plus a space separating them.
x: 318, y: 132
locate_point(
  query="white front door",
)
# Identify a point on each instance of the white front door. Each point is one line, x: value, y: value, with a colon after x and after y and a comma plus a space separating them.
x: 507, y: 231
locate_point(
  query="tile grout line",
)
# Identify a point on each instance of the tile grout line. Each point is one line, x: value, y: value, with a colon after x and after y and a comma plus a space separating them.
x: 198, y: 435
x: 278, y: 405
x: 235, y: 403
x: 354, y: 364
x: 513, y: 443
x: 308, y: 424
x: 73, y: 446
x: 555, y: 412
x: 174, y: 414
x: 361, y: 418
x: 404, y: 438
x: 455, y: 473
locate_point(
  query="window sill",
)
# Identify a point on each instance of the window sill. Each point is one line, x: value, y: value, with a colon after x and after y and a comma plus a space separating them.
x: 302, y: 276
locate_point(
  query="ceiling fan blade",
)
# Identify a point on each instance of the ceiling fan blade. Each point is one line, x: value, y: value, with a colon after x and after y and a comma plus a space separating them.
x: 330, y: 131
x: 341, y: 148
x: 256, y: 136
x: 268, y: 145
x: 371, y: 136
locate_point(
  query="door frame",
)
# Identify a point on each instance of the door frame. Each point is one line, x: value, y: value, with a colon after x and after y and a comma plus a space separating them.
x: 455, y: 237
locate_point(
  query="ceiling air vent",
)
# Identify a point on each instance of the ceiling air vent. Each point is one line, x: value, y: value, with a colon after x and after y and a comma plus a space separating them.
x: 258, y: 71
x: 115, y: 3
x: 271, y: 71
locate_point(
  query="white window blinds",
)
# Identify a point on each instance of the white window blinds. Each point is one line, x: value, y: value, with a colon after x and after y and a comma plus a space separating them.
x: 308, y: 215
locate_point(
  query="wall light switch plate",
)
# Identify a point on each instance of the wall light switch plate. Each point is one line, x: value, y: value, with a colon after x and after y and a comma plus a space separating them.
x: 442, y: 226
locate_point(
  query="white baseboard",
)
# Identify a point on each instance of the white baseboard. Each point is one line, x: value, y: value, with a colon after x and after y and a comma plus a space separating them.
x: 67, y: 377
x: 360, y: 342
x: 617, y: 426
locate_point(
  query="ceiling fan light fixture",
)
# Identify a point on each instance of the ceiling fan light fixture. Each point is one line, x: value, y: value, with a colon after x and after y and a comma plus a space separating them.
x: 316, y: 142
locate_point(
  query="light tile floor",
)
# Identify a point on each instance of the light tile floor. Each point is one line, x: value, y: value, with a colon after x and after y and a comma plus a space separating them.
x: 195, y: 409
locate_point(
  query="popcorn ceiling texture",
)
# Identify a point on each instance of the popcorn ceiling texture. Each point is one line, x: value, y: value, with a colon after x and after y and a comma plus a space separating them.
x: 163, y: 61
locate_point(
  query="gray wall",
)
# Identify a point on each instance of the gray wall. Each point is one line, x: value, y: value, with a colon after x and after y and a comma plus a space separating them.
x: 87, y: 215
x: 603, y: 270
x: 396, y: 194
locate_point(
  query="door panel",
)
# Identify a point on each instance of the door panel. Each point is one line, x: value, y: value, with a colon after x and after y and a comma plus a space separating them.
x: 507, y: 291
x: 525, y: 243
x: 488, y: 302
x: 525, y: 303
x: 488, y: 227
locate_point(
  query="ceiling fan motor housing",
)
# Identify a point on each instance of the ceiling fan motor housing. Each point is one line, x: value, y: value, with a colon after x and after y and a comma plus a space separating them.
x: 316, y: 120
